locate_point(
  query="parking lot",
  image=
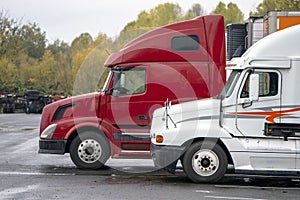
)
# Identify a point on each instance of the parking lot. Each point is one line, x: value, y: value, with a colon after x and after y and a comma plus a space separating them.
x: 25, y: 174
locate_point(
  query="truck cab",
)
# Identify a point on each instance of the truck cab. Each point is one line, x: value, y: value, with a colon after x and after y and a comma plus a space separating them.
x: 252, y: 125
x: 182, y: 62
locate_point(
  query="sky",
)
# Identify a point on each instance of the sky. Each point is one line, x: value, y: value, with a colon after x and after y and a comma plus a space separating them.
x: 67, y: 19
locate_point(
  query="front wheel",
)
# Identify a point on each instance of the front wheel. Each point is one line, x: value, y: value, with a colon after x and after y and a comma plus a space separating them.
x: 205, y: 162
x: 89, y: 150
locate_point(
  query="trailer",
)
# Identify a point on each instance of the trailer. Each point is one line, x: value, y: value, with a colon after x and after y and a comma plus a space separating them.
x: 240, y: 37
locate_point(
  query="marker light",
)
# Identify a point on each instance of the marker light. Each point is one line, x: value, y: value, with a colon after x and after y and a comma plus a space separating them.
x: 159, y: 139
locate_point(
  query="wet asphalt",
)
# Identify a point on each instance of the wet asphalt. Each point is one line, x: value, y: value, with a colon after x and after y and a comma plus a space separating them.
x: 25, y: 174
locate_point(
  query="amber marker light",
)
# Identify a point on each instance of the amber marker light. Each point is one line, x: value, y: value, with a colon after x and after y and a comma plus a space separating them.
x: 159, y: 139
x: 270, y: 130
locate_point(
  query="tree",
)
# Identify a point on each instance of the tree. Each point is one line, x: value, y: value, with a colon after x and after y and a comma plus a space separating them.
x: 288, y: 4
x: 34, y: 40
x: 10, y: 42
x: 220, y: 9
x: 58, y: 46
x: 82, y: 42
x: 195, y: 11
x: 269, y: 5
x: 88, y: 65
x: 264, y: 7
x: 166, y: 13
x: 27, y: 62
x: 231, y: 13
x: 160, y: 15
x: 16, y: 38
x: 44, y: 74
x: 21, y: 47
x: 9, y: 79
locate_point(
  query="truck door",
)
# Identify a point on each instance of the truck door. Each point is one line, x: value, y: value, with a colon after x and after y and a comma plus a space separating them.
x: 266, y: 151
x: 127, y: 107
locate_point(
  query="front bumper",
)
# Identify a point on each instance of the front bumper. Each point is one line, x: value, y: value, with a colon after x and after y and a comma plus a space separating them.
x: 52, y: 146
x: 166, y: 157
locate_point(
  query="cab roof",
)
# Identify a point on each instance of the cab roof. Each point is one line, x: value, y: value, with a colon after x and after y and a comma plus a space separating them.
x: 155, y: 45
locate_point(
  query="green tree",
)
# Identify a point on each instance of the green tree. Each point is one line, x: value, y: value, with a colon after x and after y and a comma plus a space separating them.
x: 269, y: 5
x: 195, y: 11
x: 166, y: 13
x: 45, y: 74
x: 10, y: 42
x: 288, y: 4
x: 27, y: 62
x: 62, y: 54
x: 87, y: 65
x: 231, y: 13
x: 58, y: 46
x: 264, y: 7
x: 16, y: 38
x: 160, y: 15
x: 34, y: 40
x: 26, y: 70
x: 63, y: 77
x: 9, y: 79
x: 82, y: 42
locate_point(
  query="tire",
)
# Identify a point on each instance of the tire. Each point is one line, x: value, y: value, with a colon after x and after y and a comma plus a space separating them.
x: 205, y: 162
x: 89, y: 150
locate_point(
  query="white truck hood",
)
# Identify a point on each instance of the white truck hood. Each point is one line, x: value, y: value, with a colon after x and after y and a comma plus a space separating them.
x: 186, y: 121
x: 184, y: 111
x: 186, y: 114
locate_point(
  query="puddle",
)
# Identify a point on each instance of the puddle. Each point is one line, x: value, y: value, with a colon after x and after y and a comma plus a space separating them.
x: 26, y: 129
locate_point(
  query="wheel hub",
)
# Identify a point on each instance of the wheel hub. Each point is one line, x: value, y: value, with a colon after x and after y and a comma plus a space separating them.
x: 205, y: 162
x: 89, y: 151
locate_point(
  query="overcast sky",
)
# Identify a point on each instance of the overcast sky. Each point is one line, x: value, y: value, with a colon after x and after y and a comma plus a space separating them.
x: 67, y: 19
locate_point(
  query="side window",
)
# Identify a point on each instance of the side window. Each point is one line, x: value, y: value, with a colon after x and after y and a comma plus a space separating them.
x: 268, y: 85
x: 130, y: 81
x: 186, y: 43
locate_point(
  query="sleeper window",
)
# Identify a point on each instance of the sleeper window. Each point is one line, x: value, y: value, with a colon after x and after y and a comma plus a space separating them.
x: 186, y: 43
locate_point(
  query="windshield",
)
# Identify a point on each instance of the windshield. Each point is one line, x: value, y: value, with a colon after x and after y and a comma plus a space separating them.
x: 231, y: 82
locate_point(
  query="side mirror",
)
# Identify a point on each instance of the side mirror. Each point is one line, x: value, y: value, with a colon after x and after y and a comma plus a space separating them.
x: 122, y: 80
x: 113, y: 91
x: 109, y: 92
x: 254, y: 87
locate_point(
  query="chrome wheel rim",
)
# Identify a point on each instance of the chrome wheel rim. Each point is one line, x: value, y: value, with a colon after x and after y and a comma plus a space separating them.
x: 89, y: 151
x: 205, y: 162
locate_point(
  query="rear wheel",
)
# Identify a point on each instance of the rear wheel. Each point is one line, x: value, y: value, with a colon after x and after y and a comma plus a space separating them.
x: 205, y: 162
x: 89, y: 150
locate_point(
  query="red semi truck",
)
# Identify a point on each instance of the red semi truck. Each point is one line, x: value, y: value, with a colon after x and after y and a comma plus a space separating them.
x: 179, y: 62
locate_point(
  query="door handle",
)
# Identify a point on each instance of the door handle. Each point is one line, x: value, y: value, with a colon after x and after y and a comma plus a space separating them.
x: 143, y: 117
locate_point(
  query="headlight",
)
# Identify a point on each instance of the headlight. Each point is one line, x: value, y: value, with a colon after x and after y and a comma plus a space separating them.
x: 48, y: 132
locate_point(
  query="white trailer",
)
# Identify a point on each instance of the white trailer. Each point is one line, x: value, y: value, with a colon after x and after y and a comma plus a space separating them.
x: 253, y: 125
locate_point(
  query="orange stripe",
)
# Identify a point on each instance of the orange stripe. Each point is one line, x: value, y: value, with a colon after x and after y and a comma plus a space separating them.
x: 270, y: 115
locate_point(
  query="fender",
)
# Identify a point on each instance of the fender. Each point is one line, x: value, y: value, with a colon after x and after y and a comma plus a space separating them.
x: 83, y: 122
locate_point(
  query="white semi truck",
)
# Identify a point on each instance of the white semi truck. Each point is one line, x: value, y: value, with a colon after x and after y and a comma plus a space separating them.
x: 253, y: 125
